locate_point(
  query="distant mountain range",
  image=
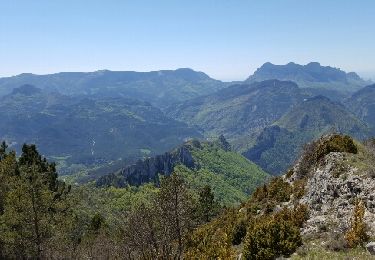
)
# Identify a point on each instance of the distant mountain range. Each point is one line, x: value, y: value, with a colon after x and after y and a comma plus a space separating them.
x: 157, y: 87
x: 312, y: 75
x: 86, y: 129
x: 96, y: 117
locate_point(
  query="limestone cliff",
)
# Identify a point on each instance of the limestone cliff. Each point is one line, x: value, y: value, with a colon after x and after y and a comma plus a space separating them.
x: 333, y: 184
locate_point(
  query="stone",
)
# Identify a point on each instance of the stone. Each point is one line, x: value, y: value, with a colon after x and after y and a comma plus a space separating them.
x: 371, y: 248
x: 332, y: 199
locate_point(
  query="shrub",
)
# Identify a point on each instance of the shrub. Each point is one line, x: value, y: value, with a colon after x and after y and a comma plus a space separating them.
x: 299, y: 188
x: 260, y: 193
x: 297, y: 216
x: 356, y: 235
x: 279, y: 190
x: 336, y: 143
x: 316, y: 150
x: 239, y: 232
x: 208, y: 243
x: 271, y: 238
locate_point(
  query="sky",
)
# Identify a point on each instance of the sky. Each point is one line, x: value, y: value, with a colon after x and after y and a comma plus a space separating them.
x: 227, y: 39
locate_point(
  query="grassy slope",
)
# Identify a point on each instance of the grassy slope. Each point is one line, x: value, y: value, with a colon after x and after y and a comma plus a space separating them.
x: 231, y: 175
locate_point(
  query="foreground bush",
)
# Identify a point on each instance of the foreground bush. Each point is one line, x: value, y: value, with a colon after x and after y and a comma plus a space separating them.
x: 270, y: 239
x: 357, y: 235
x: 315, y: 151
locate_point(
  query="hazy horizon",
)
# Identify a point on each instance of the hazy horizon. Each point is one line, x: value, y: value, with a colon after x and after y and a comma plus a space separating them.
x: 225, y: 40
x: 365, y: 75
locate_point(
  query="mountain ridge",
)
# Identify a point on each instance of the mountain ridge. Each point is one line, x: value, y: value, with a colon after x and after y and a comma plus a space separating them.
x: 312, y: 75
x: 156, y: 87
x: 240, y: 110
x: 278, y: 145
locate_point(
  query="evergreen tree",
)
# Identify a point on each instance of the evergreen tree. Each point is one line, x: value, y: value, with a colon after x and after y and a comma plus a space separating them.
x: 3, y: 150
x: 30, y: 204
x: 176, y: 209
x: 208, y: 207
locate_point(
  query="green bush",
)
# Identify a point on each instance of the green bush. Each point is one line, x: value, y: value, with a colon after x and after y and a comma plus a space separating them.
x: 239, y: 232
x: 336, y: 143
x: 269, y: 239
x: 276, y: 190
x: 317, y: 150
x: 296, y: 216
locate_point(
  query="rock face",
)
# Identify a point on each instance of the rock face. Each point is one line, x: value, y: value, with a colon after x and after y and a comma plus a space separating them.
x: 147, y: 170
x: 331, y: 196
x: 336, y: 173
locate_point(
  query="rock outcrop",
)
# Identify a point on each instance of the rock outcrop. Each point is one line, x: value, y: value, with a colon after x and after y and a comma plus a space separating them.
x: 331, y: 198
x: 332, y: 187
x: 147, y: 170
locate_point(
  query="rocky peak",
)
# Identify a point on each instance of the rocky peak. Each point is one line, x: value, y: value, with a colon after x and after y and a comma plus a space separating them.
x: 147, y: 170
x: 333, y: 185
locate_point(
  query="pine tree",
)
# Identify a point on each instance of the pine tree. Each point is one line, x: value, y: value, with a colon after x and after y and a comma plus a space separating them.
x: 34, y: 197
x: 3, y: 150
x: 208, y: 207
x: 176, y: 209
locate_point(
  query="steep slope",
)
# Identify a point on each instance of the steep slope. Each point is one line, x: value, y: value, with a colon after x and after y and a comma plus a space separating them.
x: 306, y: 213
x: 311, y: 75
x: 238, y: 111
x: 278, y: 146
x: 341, y: 176
x: 362, y: 103
x: 158, y: 87
x: 231, y: 176
x: 87, y: 130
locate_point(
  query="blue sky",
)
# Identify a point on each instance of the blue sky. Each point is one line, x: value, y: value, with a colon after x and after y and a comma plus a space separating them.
x: 227, y: 39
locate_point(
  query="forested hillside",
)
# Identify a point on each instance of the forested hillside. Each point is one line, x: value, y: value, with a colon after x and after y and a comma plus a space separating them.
x: 43, y: 217
x: 87, y: 131
x: 238, y: 112
x: 279, y: 145
x: 231, y: 176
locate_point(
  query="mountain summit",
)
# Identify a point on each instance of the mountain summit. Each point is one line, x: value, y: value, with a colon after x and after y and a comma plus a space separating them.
x: 311, y: 75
